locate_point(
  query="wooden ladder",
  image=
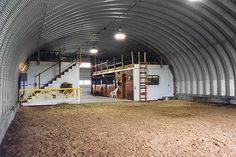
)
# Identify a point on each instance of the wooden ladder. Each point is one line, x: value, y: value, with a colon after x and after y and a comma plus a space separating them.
x: 143, y: 81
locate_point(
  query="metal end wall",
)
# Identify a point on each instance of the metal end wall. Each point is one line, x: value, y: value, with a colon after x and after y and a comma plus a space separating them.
x: 197, y: 38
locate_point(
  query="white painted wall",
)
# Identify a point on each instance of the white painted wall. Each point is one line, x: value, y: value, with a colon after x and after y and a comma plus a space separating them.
x: 154, y: 92
x: 35, y: 69
x: 72, y: 76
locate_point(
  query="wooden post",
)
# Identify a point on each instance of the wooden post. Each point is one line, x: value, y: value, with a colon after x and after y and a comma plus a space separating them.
x: 95, y: 89
x: 80, y: 56
x: 60, y: 61
x: 145, y: 57
x: 161, y: 61
x: 96, y: 70
x: 39, y: 82
x: 107, y: 63
x: 77, y: 56
x: 38, y: 58
x: 138, y: 57
x: 122, y: 60
x: 114, y: 62
x: 132, y: 57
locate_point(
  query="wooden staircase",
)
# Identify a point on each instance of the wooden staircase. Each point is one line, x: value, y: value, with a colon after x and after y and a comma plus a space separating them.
x: 143, y: 81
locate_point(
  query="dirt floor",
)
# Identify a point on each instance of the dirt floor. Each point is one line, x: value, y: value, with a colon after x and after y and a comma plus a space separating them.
x: 170, y: 128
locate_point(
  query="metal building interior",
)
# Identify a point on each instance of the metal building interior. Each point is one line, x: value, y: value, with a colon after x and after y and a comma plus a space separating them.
x: 195, y: 38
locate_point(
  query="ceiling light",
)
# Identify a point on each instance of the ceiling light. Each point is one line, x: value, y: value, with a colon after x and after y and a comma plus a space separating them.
x: 120, y: 36
x: 93, y: 50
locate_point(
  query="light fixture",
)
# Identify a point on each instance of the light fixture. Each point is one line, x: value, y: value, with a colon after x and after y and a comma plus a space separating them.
x: 93, y: 50
x: 120, y: 35
x: 22, y: 67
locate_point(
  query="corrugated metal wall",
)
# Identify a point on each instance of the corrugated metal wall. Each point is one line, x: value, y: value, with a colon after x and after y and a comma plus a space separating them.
x: 198, y: 39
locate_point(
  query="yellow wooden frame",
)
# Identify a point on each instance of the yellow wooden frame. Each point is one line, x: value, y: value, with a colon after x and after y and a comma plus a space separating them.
x: 50, y: 92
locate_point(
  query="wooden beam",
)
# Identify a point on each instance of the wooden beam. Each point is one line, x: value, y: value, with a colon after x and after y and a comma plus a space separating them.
x: 60, y: 51
x: 132, y: 58
x: 80, y: 56
x: 38, y: 58
x: 114, y: 62
x: 145, y: 57
x: 39, y: 81
x: 161, y: 61
x: 138, y: 57
x: 122, y: 60
x: 107, y: 65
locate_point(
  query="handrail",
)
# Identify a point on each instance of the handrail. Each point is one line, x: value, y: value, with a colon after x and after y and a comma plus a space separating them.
x: 46, y: 69
x: 69, y: 65
x: 55, y: 65
x: 64, y: 69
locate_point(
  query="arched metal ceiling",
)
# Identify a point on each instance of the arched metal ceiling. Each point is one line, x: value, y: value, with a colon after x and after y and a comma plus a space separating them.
x: 197, y: 38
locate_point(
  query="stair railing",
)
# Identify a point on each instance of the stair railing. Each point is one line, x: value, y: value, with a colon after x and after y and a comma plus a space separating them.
x: 39, y: 74
x: 68, y: 66
x: 60, y: 71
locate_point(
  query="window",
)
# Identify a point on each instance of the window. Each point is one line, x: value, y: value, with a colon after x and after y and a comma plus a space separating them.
x: 85, y: 82
x: 153, y: 80
x: 85, y: 65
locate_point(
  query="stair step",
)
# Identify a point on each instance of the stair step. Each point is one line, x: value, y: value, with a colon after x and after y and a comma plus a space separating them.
x: 59, y: 76
x: 143, y: 87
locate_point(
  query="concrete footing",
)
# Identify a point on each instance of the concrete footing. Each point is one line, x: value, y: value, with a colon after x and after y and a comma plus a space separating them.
x: 213, y: 99
x: 6, y: 120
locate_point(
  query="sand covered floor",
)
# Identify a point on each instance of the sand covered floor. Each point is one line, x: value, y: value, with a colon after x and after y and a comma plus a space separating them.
x: 170, y: 128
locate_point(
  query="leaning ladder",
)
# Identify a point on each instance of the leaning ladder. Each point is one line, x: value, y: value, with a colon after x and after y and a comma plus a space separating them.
x: 143, y: 81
